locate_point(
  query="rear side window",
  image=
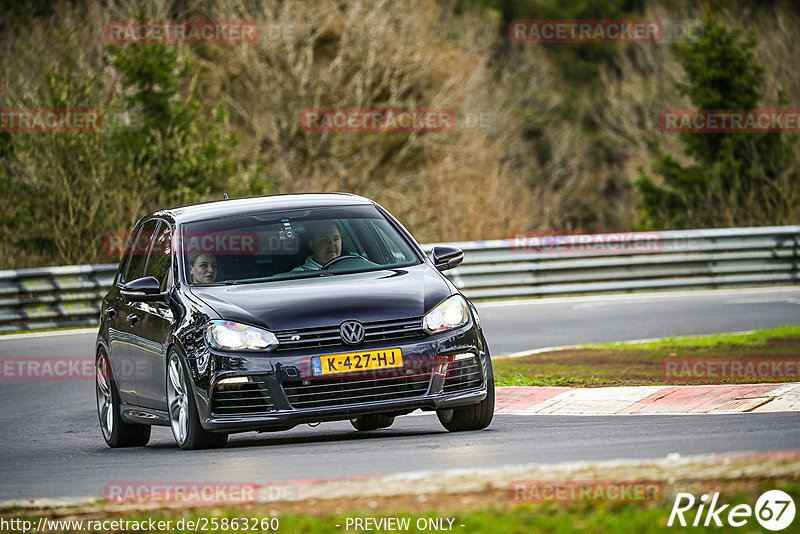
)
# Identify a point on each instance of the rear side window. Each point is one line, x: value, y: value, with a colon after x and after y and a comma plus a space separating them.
x: 136, y: 255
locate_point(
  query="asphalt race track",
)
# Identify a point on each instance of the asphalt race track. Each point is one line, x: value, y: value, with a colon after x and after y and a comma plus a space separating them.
x: 52, y: 446
x: 517, y: 326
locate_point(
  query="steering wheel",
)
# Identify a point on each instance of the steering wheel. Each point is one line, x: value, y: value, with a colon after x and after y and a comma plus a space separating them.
x: 339, y: 259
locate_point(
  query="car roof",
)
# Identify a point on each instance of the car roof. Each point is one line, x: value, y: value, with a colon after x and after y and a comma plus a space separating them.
x: 243, y: 206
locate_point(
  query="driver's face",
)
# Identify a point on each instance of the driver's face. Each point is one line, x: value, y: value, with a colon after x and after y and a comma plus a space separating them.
x: 327, y: 244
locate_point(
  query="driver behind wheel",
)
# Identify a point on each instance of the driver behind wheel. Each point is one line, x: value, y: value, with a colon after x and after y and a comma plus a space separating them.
x: 325, y: 245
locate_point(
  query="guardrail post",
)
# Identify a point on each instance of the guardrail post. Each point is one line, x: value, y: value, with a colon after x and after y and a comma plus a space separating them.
x: 795, y: 248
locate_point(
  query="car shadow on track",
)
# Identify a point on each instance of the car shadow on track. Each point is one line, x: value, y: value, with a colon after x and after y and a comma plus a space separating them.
x: 308, y: 437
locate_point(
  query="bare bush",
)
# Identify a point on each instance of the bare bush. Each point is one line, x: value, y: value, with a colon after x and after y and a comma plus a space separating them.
x: 371, y: 55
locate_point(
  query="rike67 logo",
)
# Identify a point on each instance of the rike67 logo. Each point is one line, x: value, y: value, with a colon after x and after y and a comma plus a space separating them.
x: 774, y: 510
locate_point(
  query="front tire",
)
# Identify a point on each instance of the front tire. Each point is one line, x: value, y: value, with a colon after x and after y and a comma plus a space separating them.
x: 475, y: 416
x: 183, y: 417
x: 372, y: 422
x: 116, y: 432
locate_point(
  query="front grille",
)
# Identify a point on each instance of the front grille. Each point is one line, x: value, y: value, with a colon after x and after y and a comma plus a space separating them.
x: 343, y: 392
x: 250, y: 398
x: 329, y: 335
x: 463, y: 374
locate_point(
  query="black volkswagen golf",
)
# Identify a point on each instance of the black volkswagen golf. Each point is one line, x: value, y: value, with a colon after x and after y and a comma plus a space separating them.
x: 260, y: 314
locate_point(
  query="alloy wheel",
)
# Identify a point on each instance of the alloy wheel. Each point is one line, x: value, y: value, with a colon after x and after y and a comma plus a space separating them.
x: 105, y: 402
x: 178, y: 400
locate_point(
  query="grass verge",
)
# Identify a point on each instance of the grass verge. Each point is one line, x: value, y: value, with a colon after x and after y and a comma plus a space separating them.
x: 643, y: 364
x: 588, y: 515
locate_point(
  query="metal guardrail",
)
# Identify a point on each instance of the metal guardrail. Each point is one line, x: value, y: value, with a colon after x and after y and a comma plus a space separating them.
x: 682, y: 259
x: 53, y: 297
x: 505, y: 268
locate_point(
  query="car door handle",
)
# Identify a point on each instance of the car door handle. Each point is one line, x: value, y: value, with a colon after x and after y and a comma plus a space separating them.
x: 133, y: 319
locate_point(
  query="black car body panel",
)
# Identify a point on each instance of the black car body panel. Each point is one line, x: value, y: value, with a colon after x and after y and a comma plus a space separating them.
x: 370, y: 296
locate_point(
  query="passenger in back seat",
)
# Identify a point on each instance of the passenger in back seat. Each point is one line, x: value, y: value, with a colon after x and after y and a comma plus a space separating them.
x: 203, y: 268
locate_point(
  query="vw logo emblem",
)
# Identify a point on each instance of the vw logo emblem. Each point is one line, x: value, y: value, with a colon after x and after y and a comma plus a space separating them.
x: 352, y: 332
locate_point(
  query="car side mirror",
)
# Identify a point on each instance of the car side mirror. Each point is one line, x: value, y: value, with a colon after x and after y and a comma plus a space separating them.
x: 146, y: 289
x: 447, y: 257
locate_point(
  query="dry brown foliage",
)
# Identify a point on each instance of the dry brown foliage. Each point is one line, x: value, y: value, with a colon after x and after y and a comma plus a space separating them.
x: 483, y: 180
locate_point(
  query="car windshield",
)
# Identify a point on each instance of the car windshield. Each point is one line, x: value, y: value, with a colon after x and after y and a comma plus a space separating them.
x: 291, y: 244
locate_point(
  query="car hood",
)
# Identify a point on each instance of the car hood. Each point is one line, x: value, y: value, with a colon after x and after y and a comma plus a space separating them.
x: 314, y: 302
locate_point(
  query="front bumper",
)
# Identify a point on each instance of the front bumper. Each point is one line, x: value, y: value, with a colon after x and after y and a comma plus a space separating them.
x: 441, y: 371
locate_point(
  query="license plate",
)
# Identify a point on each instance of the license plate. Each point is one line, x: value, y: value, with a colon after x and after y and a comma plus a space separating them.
x: 356, y: 361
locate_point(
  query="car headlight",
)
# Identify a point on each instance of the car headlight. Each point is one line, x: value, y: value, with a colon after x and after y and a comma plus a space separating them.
x: 226, y: 335
x: 447, y: 315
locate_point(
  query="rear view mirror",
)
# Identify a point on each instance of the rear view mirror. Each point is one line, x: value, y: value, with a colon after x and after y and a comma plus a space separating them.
x: 447, y: 257
x: 145, y: 289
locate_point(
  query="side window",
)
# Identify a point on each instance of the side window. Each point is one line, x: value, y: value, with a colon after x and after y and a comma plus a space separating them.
x: 137, y: 252
x: 160, y: 255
